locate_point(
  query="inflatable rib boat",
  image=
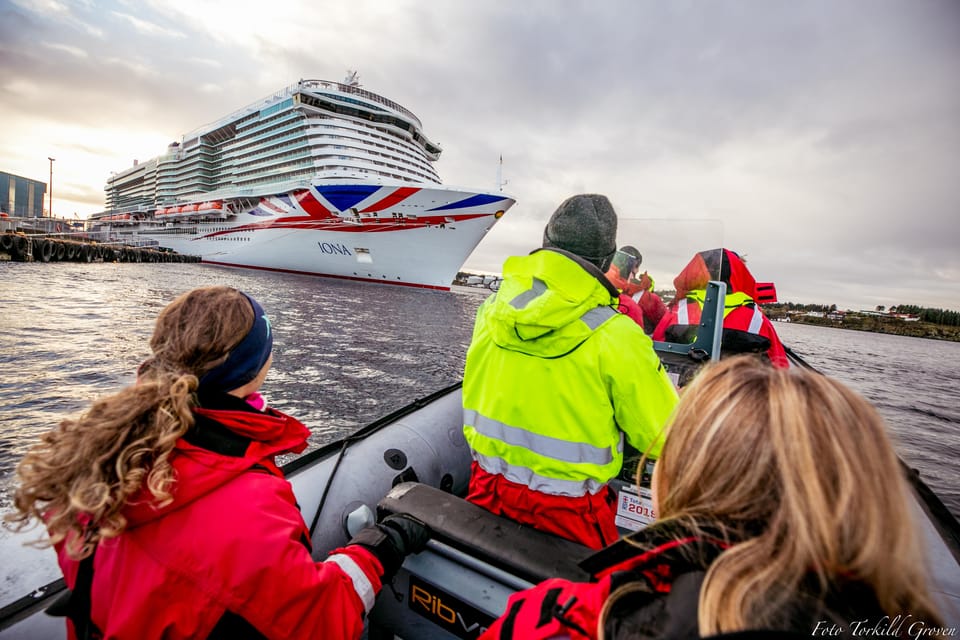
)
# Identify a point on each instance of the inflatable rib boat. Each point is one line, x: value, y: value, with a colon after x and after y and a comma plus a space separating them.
x: 416, y: 461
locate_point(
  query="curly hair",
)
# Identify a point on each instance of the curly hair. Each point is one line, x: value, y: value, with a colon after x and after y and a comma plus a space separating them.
x: 797, y: 472
x: 81, y: 474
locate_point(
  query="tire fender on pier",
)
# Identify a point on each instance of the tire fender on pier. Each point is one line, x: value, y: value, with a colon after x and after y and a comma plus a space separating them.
x: 21, y: 247
x: 43, y: 249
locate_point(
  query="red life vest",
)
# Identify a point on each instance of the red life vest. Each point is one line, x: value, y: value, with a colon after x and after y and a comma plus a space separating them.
x: 559, y: 608
x: 741, y: 313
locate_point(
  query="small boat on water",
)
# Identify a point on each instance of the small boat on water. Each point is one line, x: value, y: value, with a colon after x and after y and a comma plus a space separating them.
x: 416, y: 461
x: 320, y: 178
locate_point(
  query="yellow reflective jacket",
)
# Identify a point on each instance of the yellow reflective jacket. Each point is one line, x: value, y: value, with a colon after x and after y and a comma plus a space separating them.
x: 555, y: 378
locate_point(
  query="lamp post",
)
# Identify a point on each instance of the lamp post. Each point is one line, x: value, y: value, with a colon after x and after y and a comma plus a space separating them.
x: 50, y: 205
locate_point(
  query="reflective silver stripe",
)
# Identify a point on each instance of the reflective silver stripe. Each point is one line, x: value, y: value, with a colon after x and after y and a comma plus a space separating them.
x: 523, y: 299
x: 597, y: 316
x: 543, y: 484
x: 756, y: 322
x: 361, y: 584
x: 543, y: 445
x: 682, y: 315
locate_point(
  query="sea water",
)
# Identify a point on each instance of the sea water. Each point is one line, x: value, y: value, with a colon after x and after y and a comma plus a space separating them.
x: 347, y: 353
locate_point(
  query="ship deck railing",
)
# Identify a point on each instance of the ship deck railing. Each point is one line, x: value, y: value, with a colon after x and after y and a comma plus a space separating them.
x: 291, y: 90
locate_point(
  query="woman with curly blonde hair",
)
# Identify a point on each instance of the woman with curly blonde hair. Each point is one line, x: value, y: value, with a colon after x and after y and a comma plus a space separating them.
x: 167, y: 511
x: 781, y: 507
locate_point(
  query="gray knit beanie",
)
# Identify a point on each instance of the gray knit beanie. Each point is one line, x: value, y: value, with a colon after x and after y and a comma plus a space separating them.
x: 585, y: 225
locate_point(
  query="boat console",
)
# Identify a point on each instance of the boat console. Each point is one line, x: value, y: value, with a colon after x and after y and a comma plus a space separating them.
x: 683, y: 360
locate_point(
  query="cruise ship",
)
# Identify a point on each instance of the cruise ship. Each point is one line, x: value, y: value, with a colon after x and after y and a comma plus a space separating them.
x: 321, y: 178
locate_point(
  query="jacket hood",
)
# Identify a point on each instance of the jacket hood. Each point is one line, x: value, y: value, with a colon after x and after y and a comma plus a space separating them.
x: 713, y: 263
x: 543, y: 295
x: 223, y: 443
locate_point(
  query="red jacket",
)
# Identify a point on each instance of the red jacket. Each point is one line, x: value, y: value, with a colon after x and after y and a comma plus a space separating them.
x: 659, y: 577
x: 627, y: 305
x: 640, y: 289
x: 742, y: 314
x: 630, y: 307
x: 559, y: 608
x: 653, y: 310
x: 232, y: 542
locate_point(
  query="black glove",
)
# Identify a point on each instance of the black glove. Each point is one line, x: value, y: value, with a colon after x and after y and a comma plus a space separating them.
x: 413, y: 533
x: 392, y: 540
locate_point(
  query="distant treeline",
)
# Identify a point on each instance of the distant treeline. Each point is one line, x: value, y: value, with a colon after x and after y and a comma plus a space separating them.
x: 936, y: 316
x: 943, y: 317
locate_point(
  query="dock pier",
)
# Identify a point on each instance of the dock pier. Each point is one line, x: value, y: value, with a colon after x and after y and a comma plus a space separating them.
x: 21, y: 247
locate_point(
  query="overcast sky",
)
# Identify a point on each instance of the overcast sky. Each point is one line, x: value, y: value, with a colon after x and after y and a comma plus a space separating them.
x: 822, y: 136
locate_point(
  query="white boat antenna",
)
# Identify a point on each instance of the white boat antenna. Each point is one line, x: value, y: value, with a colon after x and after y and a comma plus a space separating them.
x: 352, y: 79
x: 500, y: 181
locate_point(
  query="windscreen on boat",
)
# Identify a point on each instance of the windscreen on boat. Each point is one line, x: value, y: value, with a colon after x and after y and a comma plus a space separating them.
x: 668, y: 245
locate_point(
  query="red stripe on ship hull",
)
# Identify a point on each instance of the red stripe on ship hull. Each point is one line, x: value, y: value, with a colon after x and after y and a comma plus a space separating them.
x: 400, y: 194
x: 334, y: 226
x: 309, y: 203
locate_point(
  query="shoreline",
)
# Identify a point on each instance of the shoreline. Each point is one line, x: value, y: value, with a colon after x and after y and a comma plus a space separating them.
x: 873, y: 324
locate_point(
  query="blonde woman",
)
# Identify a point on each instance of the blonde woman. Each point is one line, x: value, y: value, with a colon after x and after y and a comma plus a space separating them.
x: 168, y: 514
x: 781, y: 506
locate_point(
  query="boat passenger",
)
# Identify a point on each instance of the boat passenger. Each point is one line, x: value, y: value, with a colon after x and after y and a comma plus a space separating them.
x: 555, y: 379
x: 781, y: 506
x: 745, y: 328
x: 651, y: 305
x: 168, y: 513
x: 623, y: 268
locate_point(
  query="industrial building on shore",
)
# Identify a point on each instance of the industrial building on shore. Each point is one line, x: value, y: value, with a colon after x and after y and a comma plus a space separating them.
x: 21, y: 197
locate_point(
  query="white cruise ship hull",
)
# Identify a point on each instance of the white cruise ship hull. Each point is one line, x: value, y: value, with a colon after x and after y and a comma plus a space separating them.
x: 398, y: 234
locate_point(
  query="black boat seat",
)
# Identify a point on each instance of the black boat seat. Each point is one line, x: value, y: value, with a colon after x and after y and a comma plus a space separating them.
x: 515, y: 548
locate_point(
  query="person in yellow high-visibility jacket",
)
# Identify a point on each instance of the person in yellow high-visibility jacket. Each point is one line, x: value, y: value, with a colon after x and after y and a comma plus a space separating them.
x: 555, y: 381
